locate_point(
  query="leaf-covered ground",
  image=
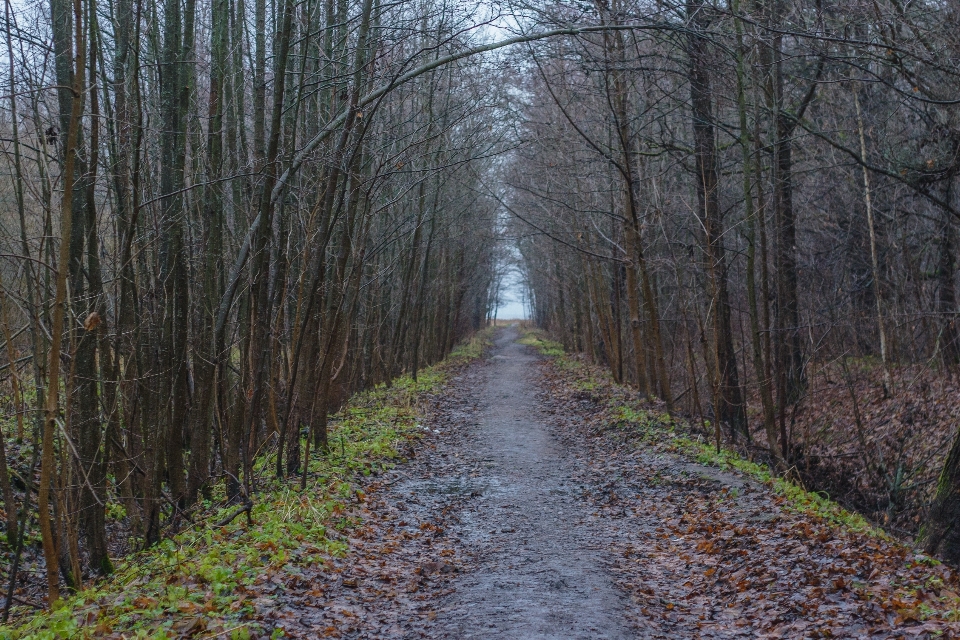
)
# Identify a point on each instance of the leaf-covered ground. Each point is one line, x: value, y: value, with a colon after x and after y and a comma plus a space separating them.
x: 515, y: 496
x: 887, y: 465
x: 710, y: 546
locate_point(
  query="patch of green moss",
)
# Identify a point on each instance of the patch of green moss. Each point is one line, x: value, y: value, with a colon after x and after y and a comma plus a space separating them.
x: 641, y: 419
x: 472, y: 348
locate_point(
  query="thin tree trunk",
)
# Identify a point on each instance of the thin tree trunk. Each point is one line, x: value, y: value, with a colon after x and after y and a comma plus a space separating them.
x: 946, y: 289
x: 759, y: 364
x: 874, y: 264
x: 731, y: 409
x: 940, y: 534
x: 9, y: 503
x: 48, y: 461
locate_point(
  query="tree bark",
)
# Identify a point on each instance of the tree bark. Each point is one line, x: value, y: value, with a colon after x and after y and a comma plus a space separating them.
x: 730, y: 410
x: 48, y: 461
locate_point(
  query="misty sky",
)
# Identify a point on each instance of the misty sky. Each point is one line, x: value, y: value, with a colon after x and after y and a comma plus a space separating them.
x: 512, y: 306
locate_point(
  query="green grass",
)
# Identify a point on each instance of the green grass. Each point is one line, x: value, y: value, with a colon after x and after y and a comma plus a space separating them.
x: 204, y: 573
x: 797, y: 498
x: 535, y: 338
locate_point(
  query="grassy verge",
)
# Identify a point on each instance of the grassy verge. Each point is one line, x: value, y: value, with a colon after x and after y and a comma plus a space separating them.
x: 536, y: 338
x: 197, y: 582
x: 656, y: 428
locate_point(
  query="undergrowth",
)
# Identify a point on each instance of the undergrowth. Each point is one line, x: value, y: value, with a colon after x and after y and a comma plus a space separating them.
x: 197, y: 581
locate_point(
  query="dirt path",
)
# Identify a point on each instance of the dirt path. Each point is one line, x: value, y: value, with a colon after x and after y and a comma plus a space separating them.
x: 537, y: 572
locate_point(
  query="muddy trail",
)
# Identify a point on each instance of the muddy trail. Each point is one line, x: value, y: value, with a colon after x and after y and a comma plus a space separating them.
x: 537, y: 571
x: 524, y: 513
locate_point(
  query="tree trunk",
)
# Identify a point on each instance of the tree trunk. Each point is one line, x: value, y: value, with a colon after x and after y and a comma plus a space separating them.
x: 48, y: 461
x: 946, y: 290
x: 940, y: 534
x: 759, y: 361
x: 730, y: 409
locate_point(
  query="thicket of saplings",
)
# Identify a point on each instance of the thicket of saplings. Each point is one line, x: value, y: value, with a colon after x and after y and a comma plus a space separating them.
x: 221, y: 219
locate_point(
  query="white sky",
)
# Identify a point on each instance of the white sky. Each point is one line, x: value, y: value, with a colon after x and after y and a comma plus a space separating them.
x: 512, y: 307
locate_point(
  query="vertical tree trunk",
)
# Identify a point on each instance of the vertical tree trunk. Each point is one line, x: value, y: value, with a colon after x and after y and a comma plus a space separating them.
x: 731, y: 409
x: 940, y: 534
x: 874, y: 263
x: 791, y: 378
x: 91, y: 445
x: 946, y: 289
x: 175, y: 90
x: 48, y: 461
x: 617, y: 91
x: 759, y: 361
x: 207, y: 358
x: 9, y: 503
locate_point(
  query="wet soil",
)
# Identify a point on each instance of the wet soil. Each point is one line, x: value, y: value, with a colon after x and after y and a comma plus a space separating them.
x: 536, y: 570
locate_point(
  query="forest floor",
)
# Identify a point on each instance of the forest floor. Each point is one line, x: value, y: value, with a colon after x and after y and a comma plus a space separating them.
x: 543, y: 505
x: 873, y: 449
x: 540, y: 500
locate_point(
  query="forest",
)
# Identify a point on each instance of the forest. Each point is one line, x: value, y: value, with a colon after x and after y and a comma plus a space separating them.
x: 224, y: 218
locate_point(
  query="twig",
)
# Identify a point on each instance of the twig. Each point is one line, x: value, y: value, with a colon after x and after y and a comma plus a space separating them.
x: 244, y: 508
x: 226, y: 631
x: 29, y: 603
